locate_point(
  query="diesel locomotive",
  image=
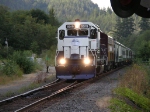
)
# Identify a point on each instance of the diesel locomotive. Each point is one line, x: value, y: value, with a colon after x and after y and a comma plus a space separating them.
x: 83, y: 51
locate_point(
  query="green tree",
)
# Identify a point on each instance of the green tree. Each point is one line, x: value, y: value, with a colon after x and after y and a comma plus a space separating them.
x: 144, y: 52
x: 39, y: 15
x: 35, y: 47
x: 52, y: 17
x: 144, y: 24
x: 5, y: 24
x: 127, y: 26
x: 118, y: 28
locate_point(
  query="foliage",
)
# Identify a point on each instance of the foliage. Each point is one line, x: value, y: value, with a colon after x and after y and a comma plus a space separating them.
x: 135, y: 79
x: 24, y: 63
x: 39, y: 15
x: 118, y: 105
x: 27, y: 30
x: 139, y: 100
x: 139, y: 43
x: 124, y: 27
x: 66, y: 10
x: 49, y: 56
x: 11, y: 68
x: 144, y: 24
x: 144, y: 51
x: 134, y: 86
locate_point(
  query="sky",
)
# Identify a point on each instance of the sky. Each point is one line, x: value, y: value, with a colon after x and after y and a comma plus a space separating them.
x: 102, y: 3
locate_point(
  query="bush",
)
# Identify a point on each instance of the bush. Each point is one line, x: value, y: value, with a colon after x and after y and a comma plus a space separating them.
x: 11, y: 68
x: 24, y: 63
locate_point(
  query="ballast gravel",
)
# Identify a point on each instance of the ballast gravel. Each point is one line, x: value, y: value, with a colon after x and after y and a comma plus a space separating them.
x: 93, y: 98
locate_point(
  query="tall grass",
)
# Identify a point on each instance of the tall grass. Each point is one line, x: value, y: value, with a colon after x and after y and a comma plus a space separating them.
x: 4, y: 79
x: 136, y: 79
x: 135, y: 87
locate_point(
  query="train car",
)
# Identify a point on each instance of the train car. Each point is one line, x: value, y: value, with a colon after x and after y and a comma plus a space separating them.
x: 83, y: 51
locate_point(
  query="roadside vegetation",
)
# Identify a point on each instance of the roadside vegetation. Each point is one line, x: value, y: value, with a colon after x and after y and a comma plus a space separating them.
x: 24, y: 34
x: 133, y: 91
x: 17, y: 64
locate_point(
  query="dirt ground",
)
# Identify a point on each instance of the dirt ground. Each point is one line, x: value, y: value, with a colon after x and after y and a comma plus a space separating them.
x: 26, y: 81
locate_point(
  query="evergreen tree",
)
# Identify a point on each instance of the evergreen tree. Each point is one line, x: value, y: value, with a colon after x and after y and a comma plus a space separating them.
x: 39, y: 15
x: 118, y: 29
x: 52, y: 18
x: 144, y: 24
x: 128, y: 26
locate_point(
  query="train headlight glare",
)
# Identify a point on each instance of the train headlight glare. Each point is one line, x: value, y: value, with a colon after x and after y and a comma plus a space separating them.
x: 62, y: 61
x: 77, y: 25
x: 87, y: 61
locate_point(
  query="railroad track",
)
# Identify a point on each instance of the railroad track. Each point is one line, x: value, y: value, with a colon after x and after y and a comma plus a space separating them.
x: 19, y: 101
x: 33, y: 100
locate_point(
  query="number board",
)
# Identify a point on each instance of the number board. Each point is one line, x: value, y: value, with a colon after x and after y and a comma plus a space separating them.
x: 84, y: 26
x: 70, y: 26
x: 73, y: 26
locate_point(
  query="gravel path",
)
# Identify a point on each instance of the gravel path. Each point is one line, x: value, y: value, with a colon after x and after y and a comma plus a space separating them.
x: 93, y: 98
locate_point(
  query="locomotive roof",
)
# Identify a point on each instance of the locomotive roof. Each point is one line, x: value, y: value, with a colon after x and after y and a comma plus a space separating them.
x: 63, y: 26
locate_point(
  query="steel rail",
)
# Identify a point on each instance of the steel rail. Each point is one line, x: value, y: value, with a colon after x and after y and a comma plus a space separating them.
x: 74, y: 85
x: 28, y: 92
x: 46, y: 98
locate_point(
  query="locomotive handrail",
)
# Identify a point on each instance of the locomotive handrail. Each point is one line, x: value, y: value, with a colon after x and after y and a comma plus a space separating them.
x: 93, y: 55
x: 56, y: 56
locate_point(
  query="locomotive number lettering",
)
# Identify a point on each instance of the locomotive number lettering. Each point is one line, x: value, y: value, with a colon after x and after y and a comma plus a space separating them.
x: 70, y: 26
x: 84, y: 26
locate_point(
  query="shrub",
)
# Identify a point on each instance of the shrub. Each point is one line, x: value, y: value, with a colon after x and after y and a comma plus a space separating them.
x: 24, y: 63
x: 11, y: 68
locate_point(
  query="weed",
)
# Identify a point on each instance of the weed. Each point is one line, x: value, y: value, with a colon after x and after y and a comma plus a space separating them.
x: 40, y: 77
x: 136, y: 79
x: 4, y: 79
x: 118, y: 105
x: 138, y: 99
x: 135, y: 86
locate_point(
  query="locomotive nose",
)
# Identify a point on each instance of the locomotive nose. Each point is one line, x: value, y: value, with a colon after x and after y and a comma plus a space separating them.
x: 75, y: 70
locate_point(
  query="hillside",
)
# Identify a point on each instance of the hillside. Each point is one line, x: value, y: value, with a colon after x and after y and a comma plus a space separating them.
x: 68, y: 10
x: 24, y: 4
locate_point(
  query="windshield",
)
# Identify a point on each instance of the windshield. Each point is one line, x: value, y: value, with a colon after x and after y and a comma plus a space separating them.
x: 83, y: 32
x: 77, y: 32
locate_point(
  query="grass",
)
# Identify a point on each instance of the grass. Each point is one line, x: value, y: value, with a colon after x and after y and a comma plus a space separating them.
x: 135, y: 86
x: 138, y: 99
x: 4, y: 79
x: 118, y: 105
x: 21, y: 90
x: 40, y: 80
x: 135, y: 78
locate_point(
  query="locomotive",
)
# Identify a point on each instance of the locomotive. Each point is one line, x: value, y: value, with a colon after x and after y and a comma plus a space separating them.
x: 84, y: 51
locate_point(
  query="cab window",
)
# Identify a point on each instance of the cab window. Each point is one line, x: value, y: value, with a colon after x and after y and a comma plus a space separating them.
x: 72, y: 32
x: 93, y: 34
x: 83, y: 32
x: 61, y: 34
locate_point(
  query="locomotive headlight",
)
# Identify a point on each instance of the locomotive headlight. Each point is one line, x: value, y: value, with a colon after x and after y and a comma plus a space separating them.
x: 77, y: 25
x: 87, y: 61
x: 62, y: 61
